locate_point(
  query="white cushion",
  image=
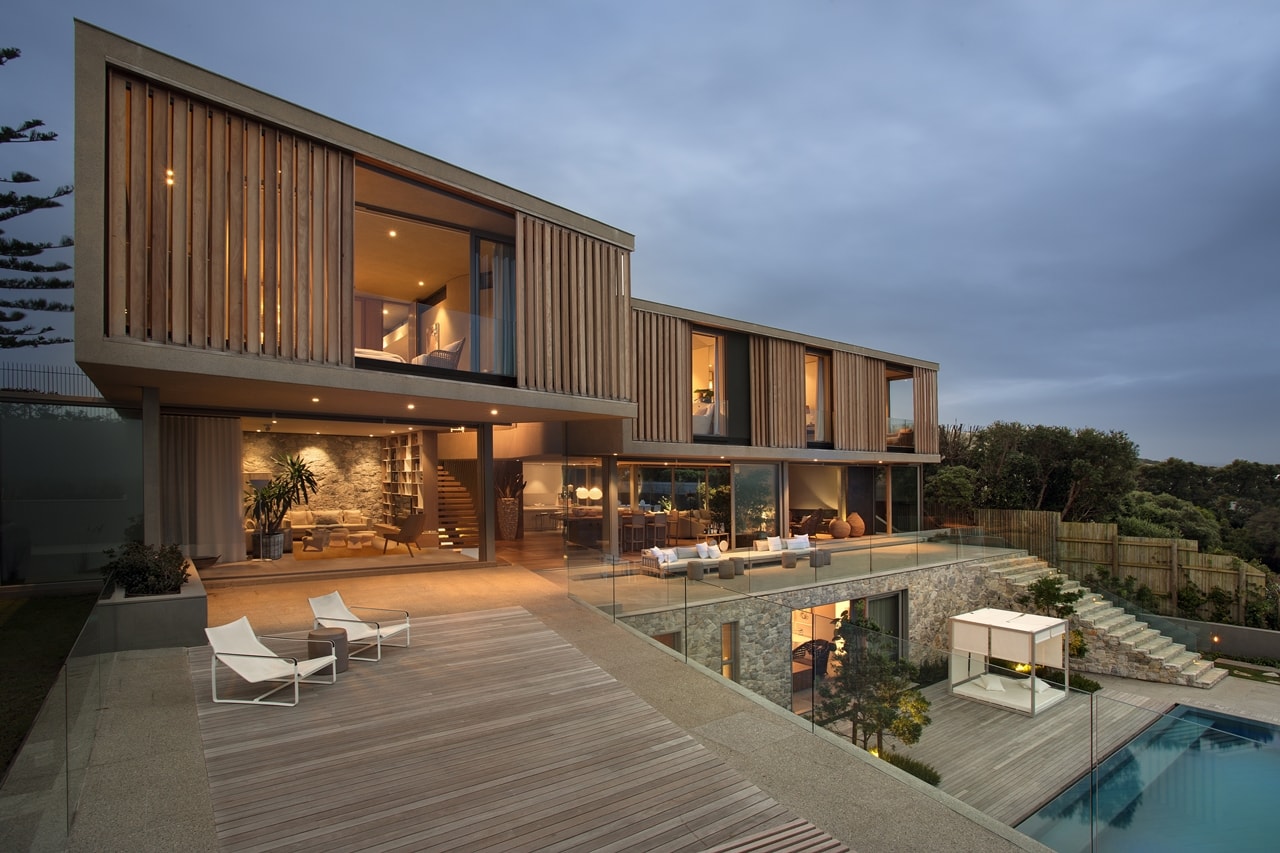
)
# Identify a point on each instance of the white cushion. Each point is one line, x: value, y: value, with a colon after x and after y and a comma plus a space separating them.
x: 1041, y: 685
x: 775, y: 543
x: 703, y: 551
x: 796, y: 543
x: 991, y: 681
x: 803, y: 540
x: 669, y: 555
x: 761, y: 544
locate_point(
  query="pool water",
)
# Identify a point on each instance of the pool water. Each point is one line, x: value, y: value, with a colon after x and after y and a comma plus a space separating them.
x: 1195, y: 780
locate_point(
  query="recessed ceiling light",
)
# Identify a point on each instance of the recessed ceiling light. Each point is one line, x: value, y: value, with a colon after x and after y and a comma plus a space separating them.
x: 391, y: 233
x: 315, y: 399
x: 422, y: 284
x: 411, y: 405
x: 493, y: 411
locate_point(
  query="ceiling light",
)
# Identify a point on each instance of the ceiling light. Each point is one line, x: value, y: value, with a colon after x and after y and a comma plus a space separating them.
x: 411, y: 405
x: 422, y: 284
x: 391, y: 233
x: 315, y: 399
x: 493, y: 411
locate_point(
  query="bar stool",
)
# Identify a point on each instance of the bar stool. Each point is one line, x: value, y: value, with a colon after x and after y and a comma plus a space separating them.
x: 633, y: 533
x: 659, y: 530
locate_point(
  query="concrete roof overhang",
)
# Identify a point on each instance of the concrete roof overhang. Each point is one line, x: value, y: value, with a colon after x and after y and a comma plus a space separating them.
x: 239, y: 384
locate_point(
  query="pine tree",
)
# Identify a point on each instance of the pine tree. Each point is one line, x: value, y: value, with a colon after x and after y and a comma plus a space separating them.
x: 19, y: 268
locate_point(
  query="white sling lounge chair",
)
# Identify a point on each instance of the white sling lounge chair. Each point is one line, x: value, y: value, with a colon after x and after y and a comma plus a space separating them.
x: 239, y: 649
x: 362, y: 634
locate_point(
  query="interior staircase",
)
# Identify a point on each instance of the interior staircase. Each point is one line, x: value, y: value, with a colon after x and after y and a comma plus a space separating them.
x: 459, y: 521
x: 1119, y: 643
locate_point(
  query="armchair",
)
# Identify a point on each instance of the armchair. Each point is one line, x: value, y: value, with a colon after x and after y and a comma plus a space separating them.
x: 236, y: 647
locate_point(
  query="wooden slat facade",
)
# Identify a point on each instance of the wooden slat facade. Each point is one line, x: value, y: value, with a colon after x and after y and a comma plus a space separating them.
x: 205, y: 256
x: 490, y: 733
x: 925, y: 390
x: 664, y: 377
x: 860, y: 402
x: 777, y: 393
x: 572, y: 298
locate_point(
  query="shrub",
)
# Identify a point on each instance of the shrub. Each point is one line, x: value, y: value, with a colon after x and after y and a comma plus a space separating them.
x: 1078, y: 682
x: 914, y: 766
x: 147, y: 569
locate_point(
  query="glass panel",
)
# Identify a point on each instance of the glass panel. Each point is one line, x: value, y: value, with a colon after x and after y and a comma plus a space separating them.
x: 900, y: 429
x: 906, y: 499
x: 709, y: 403
x: 755, y: 501
x: 495, y: 299
x: 72, y: 488
x: 430, y: 291
x: 817, y: 407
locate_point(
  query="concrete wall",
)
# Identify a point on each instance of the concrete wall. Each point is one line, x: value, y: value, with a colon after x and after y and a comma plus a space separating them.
x: 1232, y: 640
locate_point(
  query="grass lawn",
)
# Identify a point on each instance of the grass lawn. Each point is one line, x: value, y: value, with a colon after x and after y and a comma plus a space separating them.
x: 36, y: 634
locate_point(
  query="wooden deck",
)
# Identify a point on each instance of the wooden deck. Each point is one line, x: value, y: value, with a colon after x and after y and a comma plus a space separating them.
x: 1007, y: 764
x: 490, y: 733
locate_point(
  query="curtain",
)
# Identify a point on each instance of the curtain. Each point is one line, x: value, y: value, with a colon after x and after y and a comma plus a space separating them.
x: 200, y: 465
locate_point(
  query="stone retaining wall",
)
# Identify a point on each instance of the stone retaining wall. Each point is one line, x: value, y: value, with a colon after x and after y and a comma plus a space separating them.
x: 764, y: 623
x: 348, y: 468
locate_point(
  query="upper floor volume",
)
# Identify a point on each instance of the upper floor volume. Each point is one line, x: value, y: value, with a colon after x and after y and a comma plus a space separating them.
x: 233, y: 224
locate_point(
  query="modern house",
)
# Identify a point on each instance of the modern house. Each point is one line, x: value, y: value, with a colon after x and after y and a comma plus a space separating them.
x: 254, y: 278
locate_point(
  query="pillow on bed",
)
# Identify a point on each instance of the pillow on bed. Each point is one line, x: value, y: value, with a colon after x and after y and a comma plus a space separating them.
x: 1041, y: 685
x: 992, y: 682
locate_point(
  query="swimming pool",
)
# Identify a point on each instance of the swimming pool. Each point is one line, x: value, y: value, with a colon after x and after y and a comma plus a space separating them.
x: 1195, y: 780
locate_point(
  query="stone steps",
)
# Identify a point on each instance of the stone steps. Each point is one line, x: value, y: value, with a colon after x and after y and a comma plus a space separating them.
x: 1145, y: 652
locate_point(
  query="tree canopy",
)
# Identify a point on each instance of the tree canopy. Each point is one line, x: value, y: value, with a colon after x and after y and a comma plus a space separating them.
x: 1082, y: 473
x: 21, y: 269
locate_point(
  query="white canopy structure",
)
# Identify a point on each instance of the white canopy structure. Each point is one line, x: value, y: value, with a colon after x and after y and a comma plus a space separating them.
x: 1021, y: 638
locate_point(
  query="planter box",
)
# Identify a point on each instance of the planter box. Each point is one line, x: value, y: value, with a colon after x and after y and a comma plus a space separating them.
x: 155, y: 621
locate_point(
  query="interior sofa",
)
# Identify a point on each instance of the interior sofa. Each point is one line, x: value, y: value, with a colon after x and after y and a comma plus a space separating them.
x: 305, y: 520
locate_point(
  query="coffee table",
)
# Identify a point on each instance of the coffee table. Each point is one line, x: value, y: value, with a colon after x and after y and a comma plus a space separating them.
x: 360, y: 539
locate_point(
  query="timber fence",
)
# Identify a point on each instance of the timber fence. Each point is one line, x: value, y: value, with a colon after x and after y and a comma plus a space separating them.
x: 1164, y: 566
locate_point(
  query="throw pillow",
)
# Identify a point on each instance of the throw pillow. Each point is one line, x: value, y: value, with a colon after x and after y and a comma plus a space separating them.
x: 686, y: 552
x: 327, y: 517
x: 669, y: 555
x: 775, y: 543
x: 761, y: 544
x: 703, y: 551
x: 992, y: 682
x: 795, y: 543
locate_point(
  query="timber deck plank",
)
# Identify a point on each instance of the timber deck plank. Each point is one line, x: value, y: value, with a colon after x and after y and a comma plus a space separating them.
x: 490, y: 732
x: 1007, y: 764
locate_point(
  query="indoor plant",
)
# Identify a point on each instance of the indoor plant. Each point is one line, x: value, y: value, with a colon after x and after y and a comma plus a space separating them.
x: 509, y: 488
x: 267, y: 505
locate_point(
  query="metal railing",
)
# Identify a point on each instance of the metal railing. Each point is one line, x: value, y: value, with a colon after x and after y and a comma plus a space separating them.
x: 54, y: 379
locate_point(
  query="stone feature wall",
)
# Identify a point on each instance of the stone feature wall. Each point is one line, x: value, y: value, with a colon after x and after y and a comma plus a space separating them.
x: 933, y: 594
x: 348, y: 468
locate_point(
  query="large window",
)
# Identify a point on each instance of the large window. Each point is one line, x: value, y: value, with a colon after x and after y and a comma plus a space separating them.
x: 755, y: 503
x: 721, y: 386
x: 434, y: 277
x: 817, y: 398
x: 900, y: 429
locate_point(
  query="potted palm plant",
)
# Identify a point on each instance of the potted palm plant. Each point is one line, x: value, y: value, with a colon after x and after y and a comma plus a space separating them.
x: 267, y: 505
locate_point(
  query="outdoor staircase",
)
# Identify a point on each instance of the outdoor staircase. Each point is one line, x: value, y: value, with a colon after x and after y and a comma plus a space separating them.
x: 1119, y: 643
x: 459, y: 521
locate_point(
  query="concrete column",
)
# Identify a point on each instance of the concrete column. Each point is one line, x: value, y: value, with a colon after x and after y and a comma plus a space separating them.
x: 488, y: 524
x: 609, y: 517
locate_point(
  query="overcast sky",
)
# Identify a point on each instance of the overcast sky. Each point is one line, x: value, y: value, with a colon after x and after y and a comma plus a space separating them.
x: 1072, y: 207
